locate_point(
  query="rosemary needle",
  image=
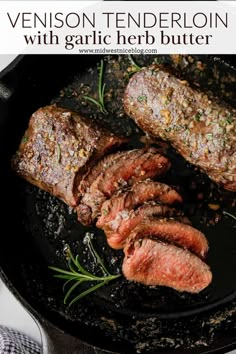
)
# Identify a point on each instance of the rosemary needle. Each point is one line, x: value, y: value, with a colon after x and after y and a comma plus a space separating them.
x: 78, y: 275
x: 101, y: 91
x: 230, y: 215
x: 135, y: 67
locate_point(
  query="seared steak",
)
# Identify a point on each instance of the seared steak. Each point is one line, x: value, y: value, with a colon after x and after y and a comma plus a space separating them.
x: 172, y: 231
x: 58, y: 147
x: 140, y: 193
x: 85, y: 211
x: 153, y: 262
x: 135, y: 165
x: 64, y: 154
x: 201, y: 129
x: 98, y: 169
x: 118, y: 229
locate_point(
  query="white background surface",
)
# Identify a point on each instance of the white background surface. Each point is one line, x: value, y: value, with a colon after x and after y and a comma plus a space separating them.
x: 12, y: 314
x: 5, y: 60
x: 15, y: 41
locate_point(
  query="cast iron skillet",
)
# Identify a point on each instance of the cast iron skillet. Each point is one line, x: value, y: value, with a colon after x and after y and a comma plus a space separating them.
x: 123, y: 317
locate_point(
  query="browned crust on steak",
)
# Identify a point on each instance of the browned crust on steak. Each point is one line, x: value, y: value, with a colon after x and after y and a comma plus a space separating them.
x: 57, y: 149
x: 202, y: 130
x: 156, y: 263
x: 140, y: 193
x: 118, y: 229
x: 134, y: 166
x: 172, y: 231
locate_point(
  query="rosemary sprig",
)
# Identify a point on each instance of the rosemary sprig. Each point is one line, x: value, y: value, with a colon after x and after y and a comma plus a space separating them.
x: 134, y: 66
x: 101, y: 91
x: 78, y: 275
x: 228, y: 214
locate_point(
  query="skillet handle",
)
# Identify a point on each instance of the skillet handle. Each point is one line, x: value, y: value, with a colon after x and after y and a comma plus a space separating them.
x: 55, y: 341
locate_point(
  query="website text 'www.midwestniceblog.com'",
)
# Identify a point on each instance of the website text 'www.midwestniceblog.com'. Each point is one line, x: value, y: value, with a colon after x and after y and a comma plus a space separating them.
x: 117, y: 51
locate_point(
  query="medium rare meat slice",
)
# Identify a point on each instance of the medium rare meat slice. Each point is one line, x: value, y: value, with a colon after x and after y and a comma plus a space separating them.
x: 140, y: 193
x: 202, y: 129
x: 134, y: 166
x: 96, y: 170
x: 172, y: 231
x: 153, y: 262
x: 118, y: 229
x: 86, y: 212
x: 57, y: 149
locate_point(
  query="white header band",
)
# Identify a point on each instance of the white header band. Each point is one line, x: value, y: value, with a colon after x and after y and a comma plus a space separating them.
x: 117, y: 27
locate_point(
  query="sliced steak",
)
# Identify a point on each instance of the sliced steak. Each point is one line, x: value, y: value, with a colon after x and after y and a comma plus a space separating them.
x: 85, y: 211
x: 153, y: 262
x: 140, y: 193
x: 134, y: 166
x: 96, y: 170
x: 57, y: 149
x: 172, y: 231
x: 118, y: 229
x: 202, y: 129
